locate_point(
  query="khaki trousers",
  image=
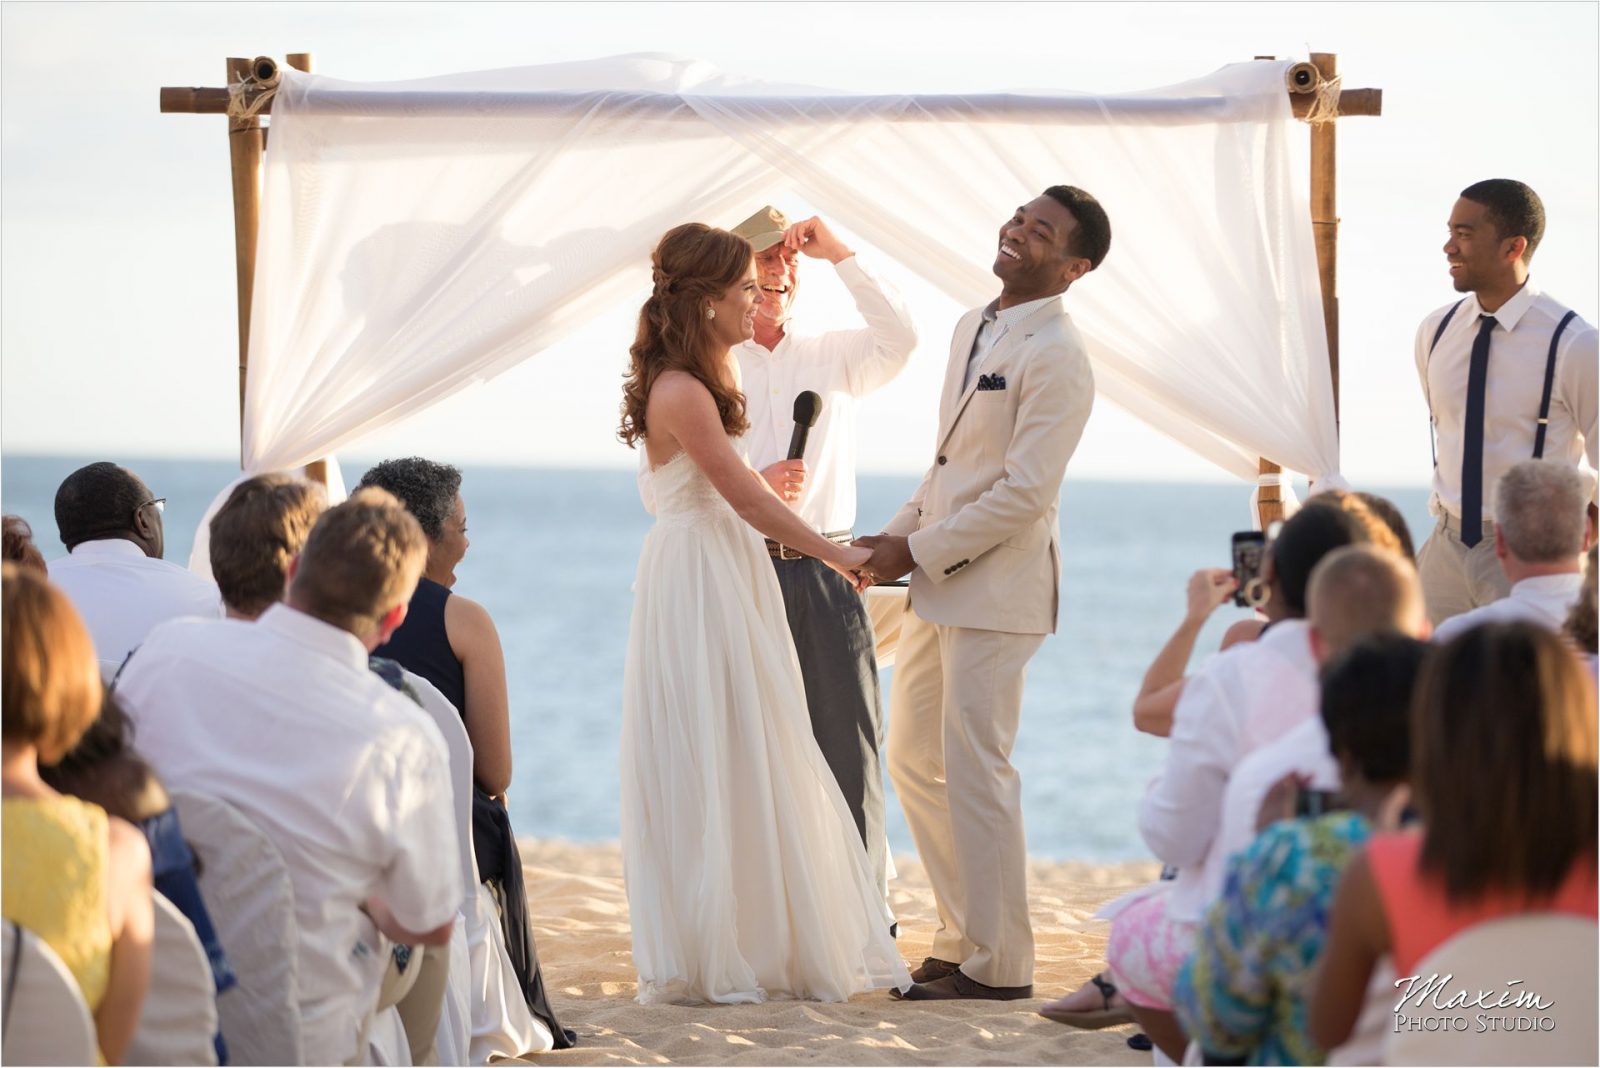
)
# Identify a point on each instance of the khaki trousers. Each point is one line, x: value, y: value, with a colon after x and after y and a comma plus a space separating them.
x: 953, y: 717
x: 1456, y: 579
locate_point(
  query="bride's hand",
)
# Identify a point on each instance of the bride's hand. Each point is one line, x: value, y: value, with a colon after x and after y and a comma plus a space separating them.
x: 851, y: 560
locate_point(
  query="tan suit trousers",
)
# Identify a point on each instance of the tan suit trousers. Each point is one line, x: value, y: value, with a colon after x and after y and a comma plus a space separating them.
x: 1456, y: 579
x: 954, y: 710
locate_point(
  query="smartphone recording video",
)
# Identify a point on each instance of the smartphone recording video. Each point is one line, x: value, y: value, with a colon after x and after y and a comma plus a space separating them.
x: 1249, y: 546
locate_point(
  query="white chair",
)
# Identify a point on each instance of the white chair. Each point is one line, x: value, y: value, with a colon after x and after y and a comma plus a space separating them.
x: 179, y: 1019
x: 246, y: 887
x: 485, y: 995
x: 45, y: 1020
x: 1551, y: 955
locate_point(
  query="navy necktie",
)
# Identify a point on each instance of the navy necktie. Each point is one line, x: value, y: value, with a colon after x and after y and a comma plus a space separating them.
x: 1472, y: 444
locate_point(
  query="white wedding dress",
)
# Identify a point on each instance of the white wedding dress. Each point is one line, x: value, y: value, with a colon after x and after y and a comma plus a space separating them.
x: 745, y: 873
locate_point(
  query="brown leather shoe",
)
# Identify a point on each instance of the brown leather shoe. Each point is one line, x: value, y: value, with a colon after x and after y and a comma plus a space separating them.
x: 958, y: 987
x: 934, y: 968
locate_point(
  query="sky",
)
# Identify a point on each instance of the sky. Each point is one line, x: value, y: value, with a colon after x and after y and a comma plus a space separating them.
x: 117, y: 286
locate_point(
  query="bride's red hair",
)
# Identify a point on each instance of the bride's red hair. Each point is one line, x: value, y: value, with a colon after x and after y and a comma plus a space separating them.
x: 693, y: 264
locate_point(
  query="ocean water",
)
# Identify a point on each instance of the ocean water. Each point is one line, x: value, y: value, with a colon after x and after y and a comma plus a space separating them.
x: 553, y: 557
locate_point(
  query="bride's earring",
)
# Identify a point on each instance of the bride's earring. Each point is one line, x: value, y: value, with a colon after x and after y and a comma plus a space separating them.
x: 711, y: 313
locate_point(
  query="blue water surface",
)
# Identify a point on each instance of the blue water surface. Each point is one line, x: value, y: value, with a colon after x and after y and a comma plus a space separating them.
x: 553, y: 557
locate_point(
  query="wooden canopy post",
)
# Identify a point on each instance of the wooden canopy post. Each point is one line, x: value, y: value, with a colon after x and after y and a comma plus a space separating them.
x: 255, y: 80
x: 1307, y: 85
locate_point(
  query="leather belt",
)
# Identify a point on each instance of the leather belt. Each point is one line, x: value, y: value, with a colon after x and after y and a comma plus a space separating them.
x: 783, y: 552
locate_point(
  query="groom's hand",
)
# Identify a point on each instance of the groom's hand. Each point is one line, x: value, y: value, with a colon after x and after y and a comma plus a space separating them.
x: 891, y: 556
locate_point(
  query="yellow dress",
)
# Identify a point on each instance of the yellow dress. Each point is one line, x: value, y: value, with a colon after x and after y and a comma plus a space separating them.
x: 55, y: 883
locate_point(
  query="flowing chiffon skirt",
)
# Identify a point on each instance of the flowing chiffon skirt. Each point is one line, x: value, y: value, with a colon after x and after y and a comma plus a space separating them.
x: 746, y: 877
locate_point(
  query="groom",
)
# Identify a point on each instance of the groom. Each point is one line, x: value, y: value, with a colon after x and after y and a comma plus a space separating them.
x: 979, y: 538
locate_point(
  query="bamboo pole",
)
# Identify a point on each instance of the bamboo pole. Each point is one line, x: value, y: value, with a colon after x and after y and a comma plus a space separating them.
x: 1304, y: 83
x: 246, y: 142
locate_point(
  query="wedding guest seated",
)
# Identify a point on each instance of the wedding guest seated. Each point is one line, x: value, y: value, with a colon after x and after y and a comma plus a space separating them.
x: 452, y: 642
x: 113, y: 573
x: 18, y: 545
x: 103, y: 769
x: 77, y: 878
x: 448, y: 639
x: 282, y: 719
x: 1580, y: 627
x: 1237, y: 701
x: 256, y: 535
x: 1355, y: 592
x: 1241, y: 994
x: 1163, y: 682
x: 1541, y: 524
x: 1503, y: 766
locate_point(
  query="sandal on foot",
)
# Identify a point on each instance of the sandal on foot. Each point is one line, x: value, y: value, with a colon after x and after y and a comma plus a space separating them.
x: 1108, y: 1015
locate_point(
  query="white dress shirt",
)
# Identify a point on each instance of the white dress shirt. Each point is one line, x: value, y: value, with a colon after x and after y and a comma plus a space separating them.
x: 996, y: 324
x: 1239, y: 701
x: 350, y: 780
x: 839, y: 366
x: 1519, y: 347
x: 121, y: 593
x: 1304, y: 749
x: 1544, y: 599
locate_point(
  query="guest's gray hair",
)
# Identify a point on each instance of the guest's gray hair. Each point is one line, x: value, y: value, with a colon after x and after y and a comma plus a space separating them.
x: 1540, y: 509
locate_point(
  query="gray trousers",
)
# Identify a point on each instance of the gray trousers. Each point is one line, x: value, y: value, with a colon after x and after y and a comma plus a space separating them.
x: 833, y: 637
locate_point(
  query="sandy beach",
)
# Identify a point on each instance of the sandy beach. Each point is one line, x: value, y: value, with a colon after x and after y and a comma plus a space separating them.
x: 580, y: 918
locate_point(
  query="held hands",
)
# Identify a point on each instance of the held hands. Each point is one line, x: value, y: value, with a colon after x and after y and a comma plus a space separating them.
x: 786, y: 477
x: 813, y: 238
x: 849, y: 565
x: 1208, y: 588
x: 891, y: 557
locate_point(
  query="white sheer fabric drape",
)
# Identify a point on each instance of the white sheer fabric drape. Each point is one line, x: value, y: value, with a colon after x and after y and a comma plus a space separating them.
x: 420, y: 236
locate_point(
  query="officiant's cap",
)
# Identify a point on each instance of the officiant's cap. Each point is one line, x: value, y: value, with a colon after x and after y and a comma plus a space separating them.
x: 763, y: 229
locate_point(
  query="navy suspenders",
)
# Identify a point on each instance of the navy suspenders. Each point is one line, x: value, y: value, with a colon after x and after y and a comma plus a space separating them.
x: 1549, y: 383
x: 1544, y: 401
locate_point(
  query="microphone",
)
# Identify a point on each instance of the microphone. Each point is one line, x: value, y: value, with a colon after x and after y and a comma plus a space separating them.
x: 807, y: 406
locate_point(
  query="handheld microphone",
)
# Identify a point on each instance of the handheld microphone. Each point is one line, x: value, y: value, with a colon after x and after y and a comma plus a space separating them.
x: 807, y: 406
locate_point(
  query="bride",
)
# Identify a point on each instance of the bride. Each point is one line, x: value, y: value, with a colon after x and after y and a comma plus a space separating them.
x: 745, y: 874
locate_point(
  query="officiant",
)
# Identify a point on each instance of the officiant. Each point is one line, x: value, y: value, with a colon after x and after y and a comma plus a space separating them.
x: 827, y: 617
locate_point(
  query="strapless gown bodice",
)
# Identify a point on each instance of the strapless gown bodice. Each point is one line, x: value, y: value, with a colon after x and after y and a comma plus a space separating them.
x: 683, y: 493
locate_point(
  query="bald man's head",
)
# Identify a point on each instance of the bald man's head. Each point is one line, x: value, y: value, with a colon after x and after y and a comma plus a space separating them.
x: 1359, y: 591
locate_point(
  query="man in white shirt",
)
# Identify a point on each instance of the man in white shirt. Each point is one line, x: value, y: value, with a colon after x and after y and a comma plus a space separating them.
x: 828, y: 619
x: 1509, y: 374
x: 282, y: 719
x: 1539, y: 541
x: 1238, y: 701
x: 1355, y: 592
x: 110, y: 523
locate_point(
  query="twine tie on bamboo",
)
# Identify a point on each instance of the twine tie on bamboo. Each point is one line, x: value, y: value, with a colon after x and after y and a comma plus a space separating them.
x: 246, y: 99
x: 1325, y: 104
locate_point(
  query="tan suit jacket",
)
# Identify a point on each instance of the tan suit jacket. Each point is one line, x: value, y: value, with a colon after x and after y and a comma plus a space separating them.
x: 982, y: 525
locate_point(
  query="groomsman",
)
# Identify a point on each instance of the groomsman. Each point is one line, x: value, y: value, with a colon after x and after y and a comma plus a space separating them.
x: 979, y: 538
x: 1509, y: 375
x: 828, y: 618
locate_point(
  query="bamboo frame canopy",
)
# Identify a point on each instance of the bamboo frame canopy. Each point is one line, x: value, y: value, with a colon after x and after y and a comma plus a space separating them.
x: 256, y: 90
x: 1313, y: 89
